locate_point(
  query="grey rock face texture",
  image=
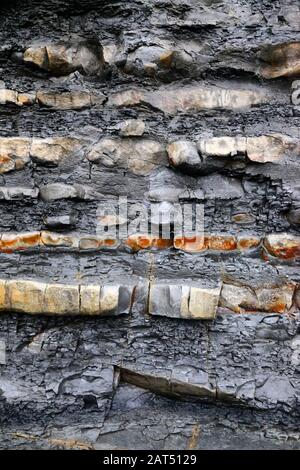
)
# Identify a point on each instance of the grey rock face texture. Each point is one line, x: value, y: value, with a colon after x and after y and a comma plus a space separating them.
x: 197, y: 344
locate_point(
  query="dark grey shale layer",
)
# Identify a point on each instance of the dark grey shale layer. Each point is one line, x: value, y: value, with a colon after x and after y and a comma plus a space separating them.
x: 102, y: 382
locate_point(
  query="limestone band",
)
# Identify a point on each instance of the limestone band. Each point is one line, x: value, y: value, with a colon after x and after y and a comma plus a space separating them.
x: 185, y: 301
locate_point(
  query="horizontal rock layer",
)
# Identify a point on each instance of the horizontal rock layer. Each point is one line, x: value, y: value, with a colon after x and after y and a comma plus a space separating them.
x: 171, y: 105
x: 283, y: 246
x: 173, y: 301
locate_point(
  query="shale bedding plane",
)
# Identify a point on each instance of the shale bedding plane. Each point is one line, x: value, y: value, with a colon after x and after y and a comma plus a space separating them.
x: 119, y: 120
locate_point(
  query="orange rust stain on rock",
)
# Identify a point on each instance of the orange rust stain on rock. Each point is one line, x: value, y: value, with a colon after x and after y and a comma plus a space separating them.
x: 192, y: 244
x: 142, y: 242
x: 4, y: 159
x: 109, y: 242
x: 277, y: 307
x: 248, y: 243
x: 11, y: 243
x: 222, y: 242
x: 162, y: 243
x: 284, y: 249
x: 31, y: 239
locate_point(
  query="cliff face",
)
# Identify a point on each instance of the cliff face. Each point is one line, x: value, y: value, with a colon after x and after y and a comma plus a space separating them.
x: 115, y: 339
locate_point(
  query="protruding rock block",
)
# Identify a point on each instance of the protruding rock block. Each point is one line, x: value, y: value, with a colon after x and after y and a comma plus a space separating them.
x: 95, y: 243
x: 181, y: 382
x: 53, y: 239
x: 184, y: 154
x: 203, y: 303
x: 25, y: 296
x: 222, y: 242
x: 57, y: 191
x: 69, y: 100
x: 11, y: 242
x: 245, y: 242
x: 76, y: 100
x: 144, y: 241
x: 65, y: 57
x: 200, y: 243
x: 239, y: 298
x: 267, y: 148
x: 179, y: 301
x: 193, y: 244
x: 90, y: 300
x: 53, y: 151
x: 14, y: 153
x: 138, y: 156
x: 61, y: 299
x: 192, y: 98
x: 156, y: 61
x: 281, y: 60
x: 14, y: 97
x: 3, y: 297
x: 213, y: 154
x: 222, y: 146
x: 283, y: 245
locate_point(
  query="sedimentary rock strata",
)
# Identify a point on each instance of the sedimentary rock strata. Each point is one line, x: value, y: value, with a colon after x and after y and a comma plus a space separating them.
x: 117, y: 326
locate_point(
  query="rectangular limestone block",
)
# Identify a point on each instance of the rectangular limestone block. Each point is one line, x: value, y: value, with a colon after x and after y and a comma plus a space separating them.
x: 61, y: 299
x: 165, y: 300
x: 90, y: 300
x: 203, y: 303
x: 25, y: 296
x: 109, y: 300
x: 181, y: 301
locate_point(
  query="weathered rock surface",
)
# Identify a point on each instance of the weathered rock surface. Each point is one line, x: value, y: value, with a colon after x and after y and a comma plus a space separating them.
x: 65, y: 57
x: 188, y: 99
x: 115, y: 340
x: 15, y: 153
x: 138, y: 156
x: 282, y: 60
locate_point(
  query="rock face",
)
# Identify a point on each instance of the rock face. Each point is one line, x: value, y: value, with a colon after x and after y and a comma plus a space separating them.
x: 149, y: 225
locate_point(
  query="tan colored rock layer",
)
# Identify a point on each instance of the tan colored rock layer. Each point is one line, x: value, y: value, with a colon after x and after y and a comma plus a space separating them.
x: 192, y: 98
x: 140, y: 155
x: 59, y: 299
x: 66, y: 100
x: 282, y: 245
